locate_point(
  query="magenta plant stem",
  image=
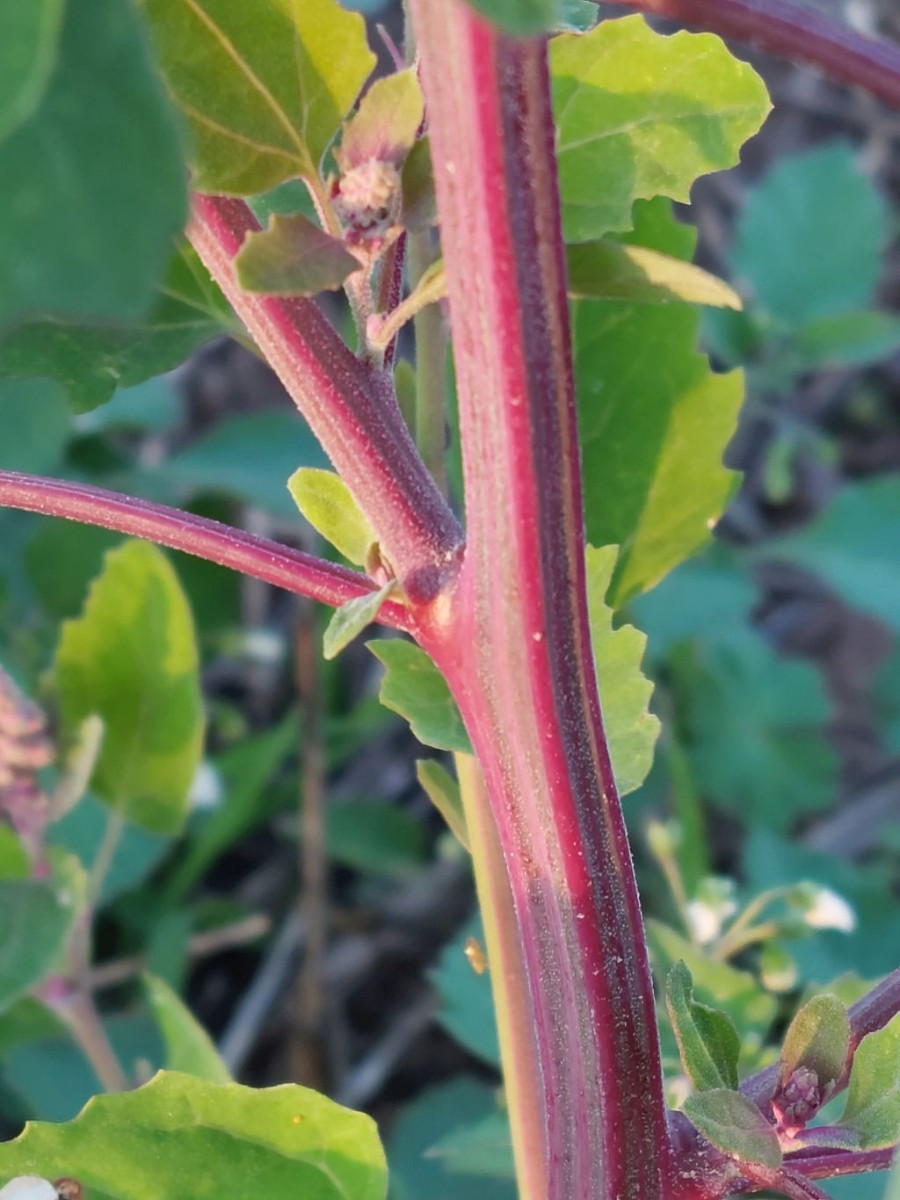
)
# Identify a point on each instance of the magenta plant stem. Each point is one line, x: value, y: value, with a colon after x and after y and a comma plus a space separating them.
x: 289, y: 569
x: 514, y: 641
x: 350, y: 407
x: 793, y: 31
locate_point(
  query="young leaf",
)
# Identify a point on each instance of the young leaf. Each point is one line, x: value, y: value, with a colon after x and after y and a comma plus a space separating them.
x: 735, y: 1126
x: 415, y: 688
x: 264, y: 89
x: 432, y: 286
x: 385, y: 124
x: 655, y: 495
x: 29, y: 42
x: 131, y: 658
x: 180, y: 1136
x: 327, y: 503
x: 443, y: 792
x: 807, y: 203
x: 352, y: 618
x: 641, y: 115
x: 631, y: 730
x: 91, y: 361
x: 817, y: 1038
x: 708, y: 1042
x: 417, y: 187
x: 873, y: 1097
x: 189, y: 1047
x: 96, y: 204
x: 293, y: 257
x: 608, y: 270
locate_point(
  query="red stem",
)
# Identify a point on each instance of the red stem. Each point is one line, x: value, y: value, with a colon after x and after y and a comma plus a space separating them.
x: 830, y: 1165
x: 796, y: 32
x: 516, y: 647
x: 256, y: 556
x: 351, y: 409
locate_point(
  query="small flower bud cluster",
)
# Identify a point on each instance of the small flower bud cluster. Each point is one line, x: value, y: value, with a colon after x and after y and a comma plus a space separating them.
x: 797, y: 1100
x: 368, y: 201
x: 25, y: 748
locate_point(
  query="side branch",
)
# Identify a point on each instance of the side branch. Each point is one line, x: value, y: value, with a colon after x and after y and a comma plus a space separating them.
x: 351, y: 408
x: 285, y: 568
x: 793, y: 31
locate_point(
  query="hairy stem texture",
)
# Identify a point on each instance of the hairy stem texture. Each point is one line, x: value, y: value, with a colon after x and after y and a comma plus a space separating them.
x: 514, y: 643
x: 350, y: 407
x: 263, y: 559
x: 793, y: 31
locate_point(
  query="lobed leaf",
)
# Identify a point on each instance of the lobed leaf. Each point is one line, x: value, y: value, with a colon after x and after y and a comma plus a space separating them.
x: 264, y: 87
x: 608, y: 270
x: 413, y: 687
x: 641, y: 115
x: 809, y: 238
x: 293, y: 257
x: 180, y: 1136
x: 131, y: 658
x: 654, y: 426
x: 631, y: 729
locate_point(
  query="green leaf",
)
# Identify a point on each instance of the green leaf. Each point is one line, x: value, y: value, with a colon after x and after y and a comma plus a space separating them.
x: 189, y: 1047
x: 29, y: 42
x: 735, y: 1126
x: 293, y: 257
x: 654, y: 426
x: 385, y: 125
x: 817, y: 1038
x: 14, y: 860
x: 248, y: 456
x: 809, y: 237
x: 264, y: 89
x: 35, y: 918
x: 352, y: 618
x: 467, y: 1007
x: 35, y: 425
x: 631, y: 730
x: 873, y: 1096
x: 708, y: 1042
x: 754, y: 730
x: 413, y: 687
x: 131, y: 658
x: 854, y: 547
x: 376, y: 838
x: 484, y: 1149
x: 443, y: 792
x: 518, y: 16
x: 846, y: 340
x: 180, y: 1136
x: 97, y: 204
x: 91, y: 361
x: 328, y: 504
x: 608, y: 270
x: 641, y: 115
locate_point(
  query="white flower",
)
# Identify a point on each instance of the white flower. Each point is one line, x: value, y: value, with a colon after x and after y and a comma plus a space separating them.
x: 827, y: 910
x: 710, y: 909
